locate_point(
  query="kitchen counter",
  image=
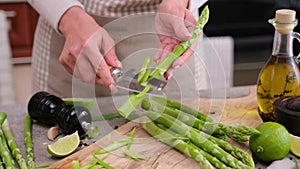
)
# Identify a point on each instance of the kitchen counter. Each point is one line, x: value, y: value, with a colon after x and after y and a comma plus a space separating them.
x: 16, y: 114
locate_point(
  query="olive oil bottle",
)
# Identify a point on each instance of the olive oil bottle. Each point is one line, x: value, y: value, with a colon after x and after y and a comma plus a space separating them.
x: 280, y: 75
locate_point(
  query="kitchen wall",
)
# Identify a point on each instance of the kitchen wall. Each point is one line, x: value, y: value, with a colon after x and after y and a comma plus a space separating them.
x: 15, y: 72
x: 22, y: 82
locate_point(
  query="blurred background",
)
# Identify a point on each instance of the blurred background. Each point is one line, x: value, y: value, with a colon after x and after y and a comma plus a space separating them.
x: 246, y: 22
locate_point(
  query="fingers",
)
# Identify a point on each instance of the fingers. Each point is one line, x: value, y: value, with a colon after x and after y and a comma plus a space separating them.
x: 159, y: 53
x: 86, y: 61
x: 93, y: 69
x: 107, y: 47
x: 180, y: 61
x: 103, y: 44
x: 66, y: 59
x: 183, y: 26
x: 163, y: 51
x: 189, y: 20
x: 181, y: 31
x: 104, y: 77
x: 167, y: 45
x: 112, y: 59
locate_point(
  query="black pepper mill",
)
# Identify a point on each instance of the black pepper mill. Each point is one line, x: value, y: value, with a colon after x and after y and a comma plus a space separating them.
x: 51, y: 110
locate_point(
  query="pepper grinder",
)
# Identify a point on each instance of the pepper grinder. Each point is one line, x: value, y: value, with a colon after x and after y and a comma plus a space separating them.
x: 50, y: 110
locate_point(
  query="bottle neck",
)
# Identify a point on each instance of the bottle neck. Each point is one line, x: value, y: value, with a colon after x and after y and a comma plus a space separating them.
x: 283, y: 44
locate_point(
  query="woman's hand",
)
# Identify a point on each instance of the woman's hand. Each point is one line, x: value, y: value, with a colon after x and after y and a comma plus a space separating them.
x: 89, y: 51
x: 173, y: 23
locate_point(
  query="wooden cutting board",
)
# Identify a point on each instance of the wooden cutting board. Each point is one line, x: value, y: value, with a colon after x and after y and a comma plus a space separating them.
x: 237, y: 111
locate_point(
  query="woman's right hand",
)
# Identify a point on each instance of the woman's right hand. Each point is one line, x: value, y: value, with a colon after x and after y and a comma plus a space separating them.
x: 89, y: 50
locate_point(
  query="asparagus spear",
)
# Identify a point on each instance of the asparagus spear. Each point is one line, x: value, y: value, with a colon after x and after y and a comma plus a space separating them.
x: 156, y: 106
x: 3, y: 116
x: 4, y: 150
x: 1, y: 166
x: 233, y: 150
x: 238, y: 133
x: 215, y: 161
x: 182, y: 47
x: 5, y: 154
x: 178, y: 144
x: 181, y: 107
x: 145, y: 71
x: 197, y: 139
x: 28, y: 142
x: 131, y: 103
x: 13, y: 145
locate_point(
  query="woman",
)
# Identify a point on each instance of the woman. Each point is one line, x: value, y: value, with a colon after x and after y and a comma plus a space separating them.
x: 72, y: 39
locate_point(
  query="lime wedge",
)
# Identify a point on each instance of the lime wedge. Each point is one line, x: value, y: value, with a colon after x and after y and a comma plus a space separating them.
x: 295, y: 146
x: 84, y: 102
x: 64, y: 146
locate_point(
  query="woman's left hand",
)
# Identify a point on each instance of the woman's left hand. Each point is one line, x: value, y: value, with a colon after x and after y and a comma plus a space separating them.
x: 173, y: 23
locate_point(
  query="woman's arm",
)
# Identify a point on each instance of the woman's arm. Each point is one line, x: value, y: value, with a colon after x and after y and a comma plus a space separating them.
x: 88, y: 52
x: 53, y: 10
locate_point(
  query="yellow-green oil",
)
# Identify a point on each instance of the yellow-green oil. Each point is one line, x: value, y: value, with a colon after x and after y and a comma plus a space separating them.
x: 279, y: 77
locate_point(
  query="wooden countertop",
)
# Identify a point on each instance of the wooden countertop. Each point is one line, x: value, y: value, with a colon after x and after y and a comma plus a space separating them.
x: 233, y: 111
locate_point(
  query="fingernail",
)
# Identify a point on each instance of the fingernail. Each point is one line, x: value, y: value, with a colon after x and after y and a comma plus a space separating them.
x: 118, y: 63
x: 187, y: 34
x: 178, y: 63
x: 177, y: 66
x: 169, y: 76
x: 113, y: 89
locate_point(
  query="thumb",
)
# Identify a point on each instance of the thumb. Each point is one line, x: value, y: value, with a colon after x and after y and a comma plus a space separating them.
x: 112, y: 59
x: 185, y: 26
x: 181, y: 31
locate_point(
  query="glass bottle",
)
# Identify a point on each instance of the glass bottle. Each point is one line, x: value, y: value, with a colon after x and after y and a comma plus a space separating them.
x: 50, y: 110
x: 280, y: 75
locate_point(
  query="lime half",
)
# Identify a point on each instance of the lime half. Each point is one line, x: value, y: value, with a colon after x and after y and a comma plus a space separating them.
x: 295, y: 145
x: 64, y: 146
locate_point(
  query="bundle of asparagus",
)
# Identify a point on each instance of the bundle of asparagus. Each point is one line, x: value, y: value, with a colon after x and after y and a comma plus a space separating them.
x: 9, y: 149
x: 173, y: 121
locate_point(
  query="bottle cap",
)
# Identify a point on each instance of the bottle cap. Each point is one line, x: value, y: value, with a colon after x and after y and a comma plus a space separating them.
x: 285, y: 20
x: 285, y: 16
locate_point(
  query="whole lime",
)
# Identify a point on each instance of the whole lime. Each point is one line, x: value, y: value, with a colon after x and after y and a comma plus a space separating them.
x: 273, y: 142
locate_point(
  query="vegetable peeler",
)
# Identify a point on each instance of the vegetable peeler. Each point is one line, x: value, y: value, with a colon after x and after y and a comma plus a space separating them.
x: 128, y: 81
